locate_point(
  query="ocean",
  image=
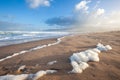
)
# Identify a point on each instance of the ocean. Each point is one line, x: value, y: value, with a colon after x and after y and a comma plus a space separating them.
x: 17, y: 37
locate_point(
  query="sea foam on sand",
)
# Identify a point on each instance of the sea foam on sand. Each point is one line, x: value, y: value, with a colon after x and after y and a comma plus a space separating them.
x: 32, y: 49
x: 79, y: 60
x: 52, y: 62
x: 27, y: 76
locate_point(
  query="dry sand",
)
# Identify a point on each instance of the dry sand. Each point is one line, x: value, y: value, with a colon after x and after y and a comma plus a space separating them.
x: 107, y: 69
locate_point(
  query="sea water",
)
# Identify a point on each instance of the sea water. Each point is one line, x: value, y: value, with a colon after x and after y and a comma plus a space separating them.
x: 16, y: 37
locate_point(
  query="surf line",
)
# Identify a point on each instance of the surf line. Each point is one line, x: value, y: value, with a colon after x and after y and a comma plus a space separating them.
x: 33, y: 49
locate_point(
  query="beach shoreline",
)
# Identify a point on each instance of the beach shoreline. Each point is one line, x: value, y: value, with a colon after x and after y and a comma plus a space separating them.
x: 106, y: 69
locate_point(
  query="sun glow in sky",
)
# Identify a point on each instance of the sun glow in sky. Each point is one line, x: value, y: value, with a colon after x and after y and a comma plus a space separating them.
x: 62, y: 15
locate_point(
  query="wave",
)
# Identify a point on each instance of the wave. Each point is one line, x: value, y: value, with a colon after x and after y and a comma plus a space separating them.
x: 16, y: 37
x: 33, y: 49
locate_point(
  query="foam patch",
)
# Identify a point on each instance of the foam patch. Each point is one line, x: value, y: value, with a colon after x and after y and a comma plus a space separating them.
x: 79, y: 60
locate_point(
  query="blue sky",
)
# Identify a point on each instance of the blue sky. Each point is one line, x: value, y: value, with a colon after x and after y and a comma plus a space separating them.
x: 48, y: 14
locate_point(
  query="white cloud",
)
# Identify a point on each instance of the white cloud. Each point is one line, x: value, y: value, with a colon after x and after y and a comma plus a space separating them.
x: 37, y: 3
x: 100, y: 12
x: 82, y: 6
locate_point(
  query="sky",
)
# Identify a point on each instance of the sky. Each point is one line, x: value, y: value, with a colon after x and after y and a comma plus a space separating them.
x: 59, y: 15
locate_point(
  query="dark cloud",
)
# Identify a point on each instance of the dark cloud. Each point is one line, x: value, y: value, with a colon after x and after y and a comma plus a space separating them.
x: 4, y: 25
x: 8, y: 16
x: 61, y: 21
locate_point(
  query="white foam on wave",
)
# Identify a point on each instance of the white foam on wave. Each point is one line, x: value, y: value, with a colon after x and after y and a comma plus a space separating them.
x: 17, y: 37
x: 27, y: 76
x: 79, y: 60
x: 32, y: 49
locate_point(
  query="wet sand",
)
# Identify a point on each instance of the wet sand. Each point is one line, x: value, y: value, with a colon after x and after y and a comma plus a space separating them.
x: 107, y: 69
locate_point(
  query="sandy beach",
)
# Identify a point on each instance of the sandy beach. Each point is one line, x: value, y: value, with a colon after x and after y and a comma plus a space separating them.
x: 107, y: 69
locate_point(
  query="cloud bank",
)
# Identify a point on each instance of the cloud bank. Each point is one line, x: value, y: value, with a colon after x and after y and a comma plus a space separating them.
x: 38, y: 3
x: 95, y: 20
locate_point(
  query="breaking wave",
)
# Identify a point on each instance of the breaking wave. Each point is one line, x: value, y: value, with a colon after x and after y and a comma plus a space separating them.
x: 16, y: 37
